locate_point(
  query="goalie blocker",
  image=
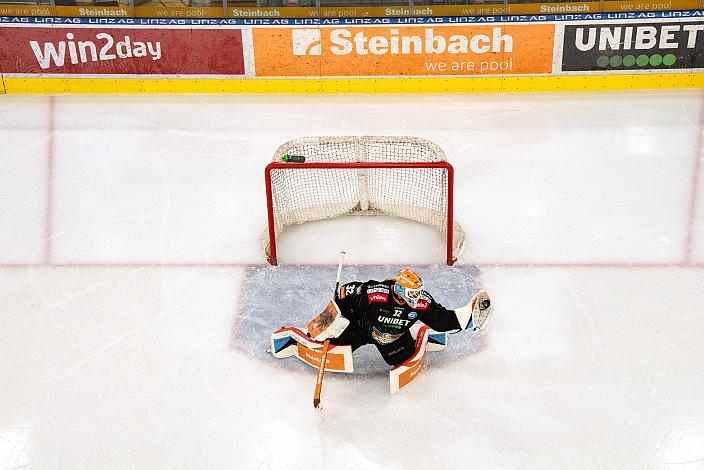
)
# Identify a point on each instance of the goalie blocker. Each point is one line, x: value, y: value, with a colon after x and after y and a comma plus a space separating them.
x: 288, y: 342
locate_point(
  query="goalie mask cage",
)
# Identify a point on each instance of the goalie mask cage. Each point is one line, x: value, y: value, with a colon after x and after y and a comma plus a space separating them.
x: 404, y: 177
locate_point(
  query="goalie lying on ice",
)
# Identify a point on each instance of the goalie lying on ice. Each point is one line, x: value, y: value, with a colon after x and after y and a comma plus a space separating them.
x: 382, y: 313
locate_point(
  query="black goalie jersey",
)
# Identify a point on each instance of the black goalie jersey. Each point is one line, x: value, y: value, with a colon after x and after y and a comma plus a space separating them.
x: 379, y: 317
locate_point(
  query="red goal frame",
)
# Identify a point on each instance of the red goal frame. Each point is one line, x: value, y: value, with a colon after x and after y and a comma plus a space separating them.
x: 272, y: 258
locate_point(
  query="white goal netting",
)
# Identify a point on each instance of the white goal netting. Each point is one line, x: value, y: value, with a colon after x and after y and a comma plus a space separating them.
x: 420, y: 191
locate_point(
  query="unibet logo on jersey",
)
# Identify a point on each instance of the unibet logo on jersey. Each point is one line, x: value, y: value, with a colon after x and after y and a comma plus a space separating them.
x: 633, y: 46
x: 393, y: 322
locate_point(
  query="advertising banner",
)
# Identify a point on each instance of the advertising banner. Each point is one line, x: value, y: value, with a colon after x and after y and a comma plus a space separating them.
x: 25, y: 10
x: 241, y: 10
x: 150, y: 11
x: 403, y: 50
x: 121, y: 51
x: 633, y: 46
x: 94, y: 11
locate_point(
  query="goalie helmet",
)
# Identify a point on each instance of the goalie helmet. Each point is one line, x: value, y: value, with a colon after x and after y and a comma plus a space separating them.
x: 408, y: 286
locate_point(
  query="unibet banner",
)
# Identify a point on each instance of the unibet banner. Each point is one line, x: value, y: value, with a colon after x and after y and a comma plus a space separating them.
x: 633, y: 46
x: 403, y: 50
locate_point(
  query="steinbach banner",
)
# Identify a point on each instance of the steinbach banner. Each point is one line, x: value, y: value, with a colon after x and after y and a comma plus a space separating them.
x: 614, y: 47
x: 136, y: 51
x: 404, y: 50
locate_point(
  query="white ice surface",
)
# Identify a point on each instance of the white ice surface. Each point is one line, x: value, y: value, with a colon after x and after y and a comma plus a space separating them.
x: 23, y: 188
x: 116, y: 346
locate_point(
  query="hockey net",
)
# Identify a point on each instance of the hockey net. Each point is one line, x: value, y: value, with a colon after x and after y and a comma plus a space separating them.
x: 404, y: 177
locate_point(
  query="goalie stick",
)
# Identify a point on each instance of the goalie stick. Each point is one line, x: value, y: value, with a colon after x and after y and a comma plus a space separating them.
x: 326, y: 344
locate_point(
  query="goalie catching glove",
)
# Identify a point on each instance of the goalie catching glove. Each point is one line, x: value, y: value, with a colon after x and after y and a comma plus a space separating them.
x: 475, y: 315
x: 329, y: 324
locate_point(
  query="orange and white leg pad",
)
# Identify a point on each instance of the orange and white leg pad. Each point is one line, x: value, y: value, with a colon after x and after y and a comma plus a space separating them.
x: 288, y: 342
x: 426, y: 340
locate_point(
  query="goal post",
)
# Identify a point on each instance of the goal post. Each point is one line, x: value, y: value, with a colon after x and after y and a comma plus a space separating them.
x: 405, y: 177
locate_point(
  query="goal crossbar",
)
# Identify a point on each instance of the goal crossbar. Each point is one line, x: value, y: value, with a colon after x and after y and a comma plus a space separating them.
x: 444, y: 165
